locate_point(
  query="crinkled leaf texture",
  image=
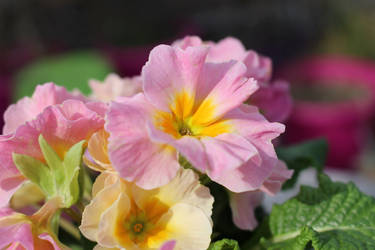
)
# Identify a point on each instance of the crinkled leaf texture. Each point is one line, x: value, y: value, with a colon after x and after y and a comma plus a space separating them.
x: 301, y: 156
x: 224, y: 244
x: 57, y: 177
x: 332, y: 216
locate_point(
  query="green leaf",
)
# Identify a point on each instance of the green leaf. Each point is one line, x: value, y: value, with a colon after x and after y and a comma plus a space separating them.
x: 224, y: 244
x: 53, y: 160
x: 302, y: 156
x: 36, y: 172
x: 71, y: 164
x: 58, y: 177
x: 73, y: 159
x: 332, y: 216
x: 71, y: 70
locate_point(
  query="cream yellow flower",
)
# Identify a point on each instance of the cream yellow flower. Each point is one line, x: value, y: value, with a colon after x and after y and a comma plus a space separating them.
x: 124, y: 216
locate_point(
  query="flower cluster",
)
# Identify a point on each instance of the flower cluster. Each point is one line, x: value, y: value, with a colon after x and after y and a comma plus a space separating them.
x: 209, y: 105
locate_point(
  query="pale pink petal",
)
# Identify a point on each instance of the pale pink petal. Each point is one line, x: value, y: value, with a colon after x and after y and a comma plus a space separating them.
x: 190, y: 147
x: 230, y: 92
x: 114, y: 86
x: 28, y: 108
x: 258, y: 67
x: 211, y: 74
x: 47, y: 237
x: 169, y: 245
x: 16, y: 233
x: 243, y: 206
x: 279, y: 175
x: 188, y: 41
x: 248, y: 177
x: 274, y: 100
x: 131, y: 152
x: 249, y: 123
x: 171, y: 71
x: 22, y: 142
x: 225, y: 50
x: 254, y: 127
x: 226, y: 152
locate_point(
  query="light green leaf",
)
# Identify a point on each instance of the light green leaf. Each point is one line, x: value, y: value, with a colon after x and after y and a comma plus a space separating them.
x: 332, y: 216
x: 36, y: 172
x: 73, y: 187
x: 302, y: 156
x: 224, y: 244
x: 53, y: 160
x: 73, y: 159
x: 58, y: 178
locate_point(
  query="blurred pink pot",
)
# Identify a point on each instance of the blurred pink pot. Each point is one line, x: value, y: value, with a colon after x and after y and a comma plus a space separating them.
x: 341, y: 108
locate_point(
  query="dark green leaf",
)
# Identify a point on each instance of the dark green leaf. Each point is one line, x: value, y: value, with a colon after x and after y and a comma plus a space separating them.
x: 332, y: 216
x: 224, y: 244
x: 302, y: 156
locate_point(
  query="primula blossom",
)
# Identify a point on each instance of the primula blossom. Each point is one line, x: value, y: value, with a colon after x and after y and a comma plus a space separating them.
x: 18, y: 231
x: 114, y: 86
x: 273, y: 98
x: 28, y: 108
x: 193, y: 108
x: 123, y: 216
x: 62, y: 125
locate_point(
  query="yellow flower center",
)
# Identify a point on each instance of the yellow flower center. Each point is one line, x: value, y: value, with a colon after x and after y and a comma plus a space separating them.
x: 141, y: 226
x: 188, y: 119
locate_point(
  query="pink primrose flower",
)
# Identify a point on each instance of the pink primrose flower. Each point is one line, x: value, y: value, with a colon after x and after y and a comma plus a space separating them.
x: 62, y: 125
x: 193, y: 108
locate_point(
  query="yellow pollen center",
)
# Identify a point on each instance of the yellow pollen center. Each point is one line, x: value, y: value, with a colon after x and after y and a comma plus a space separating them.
x: 188, y: 119
x: 184, y: 130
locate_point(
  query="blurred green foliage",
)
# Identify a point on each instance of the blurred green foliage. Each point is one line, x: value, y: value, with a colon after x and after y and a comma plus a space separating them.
x: 72, y: 70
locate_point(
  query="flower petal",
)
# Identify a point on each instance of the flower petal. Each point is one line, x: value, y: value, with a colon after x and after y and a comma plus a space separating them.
x: 226, y: 152
x: 104, y: 199
x: 279, y: 175
x: 230, y: 92
x: 112, y: 220
x: 190, y: 232
x: 115, y: 86
x: 185, y: 188
x: 248, y: 177
x: 243, y: 206
x: 258, y: 67
x: 190, y: 147
x: 172, y: 72
x: 28, y: 108
x: 227, y: 49
x: 274, y: 100
x: 131, y: 152
x: 15, y: 230
x: 188, y: 41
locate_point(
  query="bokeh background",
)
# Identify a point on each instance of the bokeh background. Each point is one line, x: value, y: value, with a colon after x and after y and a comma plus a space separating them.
x: 324, y: 48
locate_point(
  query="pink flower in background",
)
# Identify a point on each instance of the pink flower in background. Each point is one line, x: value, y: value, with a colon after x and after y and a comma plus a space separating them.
x: 28, y: 108
x: 114, y: 86
x: 193, y: 108
x: 18, y: 231
x: 61, y: 125
x: 244, y: 204
x: 272, y: 98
